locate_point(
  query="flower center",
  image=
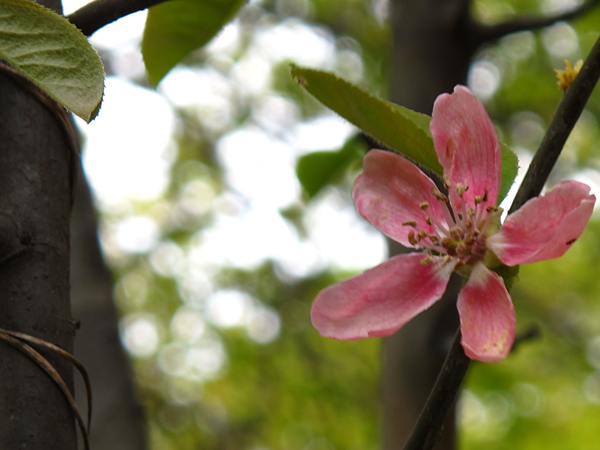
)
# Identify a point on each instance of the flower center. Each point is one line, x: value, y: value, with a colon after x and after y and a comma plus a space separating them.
x: 461, y: 237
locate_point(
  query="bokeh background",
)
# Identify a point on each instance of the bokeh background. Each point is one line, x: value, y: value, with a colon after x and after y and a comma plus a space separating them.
x: 218, y: 249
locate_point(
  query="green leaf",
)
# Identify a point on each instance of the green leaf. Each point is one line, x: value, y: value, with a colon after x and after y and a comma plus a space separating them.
x: 177, y: 27
x: 318, y: 169
x: 53, y: 54
x: 398, y: 128
x: 510, y: 167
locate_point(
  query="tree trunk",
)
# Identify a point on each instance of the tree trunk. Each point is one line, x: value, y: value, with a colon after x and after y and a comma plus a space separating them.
x: 430, y: 55
x: 36, y: 164
x: 118, y: 421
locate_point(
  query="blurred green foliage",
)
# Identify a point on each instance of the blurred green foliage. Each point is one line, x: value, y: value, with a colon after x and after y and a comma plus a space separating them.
x: 299, y: 391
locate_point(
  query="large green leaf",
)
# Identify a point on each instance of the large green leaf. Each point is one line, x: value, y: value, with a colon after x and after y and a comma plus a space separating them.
x: 400, y: 129
x: 53, y: 54
x: 177, y: 27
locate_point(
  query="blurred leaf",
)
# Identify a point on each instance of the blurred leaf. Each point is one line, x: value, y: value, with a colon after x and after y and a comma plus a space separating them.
x: 399, y: 128
x: 177, y: 27
x: 318, y: 169
x: 510, y: 167
x: 53, y: 54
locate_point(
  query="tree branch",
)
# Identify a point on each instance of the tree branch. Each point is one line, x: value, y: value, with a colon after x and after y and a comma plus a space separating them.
x: 428, y: 427
x: 486, y: 33
x: 564, y: 120
x: 93, y: 16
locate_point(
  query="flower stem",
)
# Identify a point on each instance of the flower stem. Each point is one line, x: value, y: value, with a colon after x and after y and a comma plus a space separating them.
x: 429, y: 426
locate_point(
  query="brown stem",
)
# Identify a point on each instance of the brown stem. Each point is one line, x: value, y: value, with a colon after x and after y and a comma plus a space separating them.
x: 93, y: 16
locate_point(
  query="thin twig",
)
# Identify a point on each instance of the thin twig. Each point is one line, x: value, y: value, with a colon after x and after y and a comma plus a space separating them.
x: 486, y: 33
x: 93, y: 16
x: 428, y: 428
x: 52, y: 373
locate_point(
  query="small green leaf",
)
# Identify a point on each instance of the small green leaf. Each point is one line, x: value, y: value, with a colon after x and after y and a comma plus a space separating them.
x: 177, y: 27
x: 398, y: 128
x: 53, y: 54
x: 510, y: 167
x: 318, y: 169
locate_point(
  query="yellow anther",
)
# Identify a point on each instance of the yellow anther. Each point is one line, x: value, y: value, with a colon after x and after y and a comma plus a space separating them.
x: 421, y: 234
x: 439, y: 195
x: 428, y: 220
x: 470, y: 211
x: 447, y: 183
x: 433, y: 238
x: 427, y: 260
x: 424, y: 205
x: 410, y: 223
x: 447, y: 259
x: 491, y: 208
x: 461, y: 189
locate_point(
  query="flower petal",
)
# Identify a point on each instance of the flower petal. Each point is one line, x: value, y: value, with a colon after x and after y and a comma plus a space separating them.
x: 467, y: 145
x: 389, y: 193
x: 545, y: 227
x: 487, y: 316
x: 381, y: 300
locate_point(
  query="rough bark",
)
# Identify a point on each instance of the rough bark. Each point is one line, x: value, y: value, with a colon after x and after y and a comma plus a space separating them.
x: 118, y: 420
x: 35, y: 201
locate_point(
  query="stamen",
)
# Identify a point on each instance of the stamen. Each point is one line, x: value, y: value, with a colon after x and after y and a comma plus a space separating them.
x: 455, y: 234
x: 428, y: 220
x: 461, y: 189
x: 447, y: 183
x: 424, y: 205
x: 439, y: 195
x: 411, y: 238
x: 410, y: 223
x: 427, y: 260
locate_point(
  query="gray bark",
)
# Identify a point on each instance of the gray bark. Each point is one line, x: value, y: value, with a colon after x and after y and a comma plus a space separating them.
x: 35, y: 181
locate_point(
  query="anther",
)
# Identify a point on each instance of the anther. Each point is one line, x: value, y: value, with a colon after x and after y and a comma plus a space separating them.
x: 471, y: 211
x: 447, y: 183
x: 424, y: 205
x: 439, y: 195
x: 455, y: 234
x: 410, y: 223
x: 491, y: 208
x: 461, y: 189
x: 411, y: 238
x: 428, y: 220
x: 427, y: 260
x: 461, y: 249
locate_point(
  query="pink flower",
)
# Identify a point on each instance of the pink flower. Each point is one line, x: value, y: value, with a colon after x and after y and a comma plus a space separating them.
x: 459, y: 232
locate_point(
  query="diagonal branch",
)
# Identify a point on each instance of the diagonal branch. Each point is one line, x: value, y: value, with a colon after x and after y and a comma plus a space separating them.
x: 93, y: 16
x: 486, y: 33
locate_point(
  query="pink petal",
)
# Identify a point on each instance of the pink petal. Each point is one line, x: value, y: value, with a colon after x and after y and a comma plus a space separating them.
x: 545, y: 227
x: 389, y: 192
x: 466, y: 144
x: 381, y: 300
x: 487, y: 316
